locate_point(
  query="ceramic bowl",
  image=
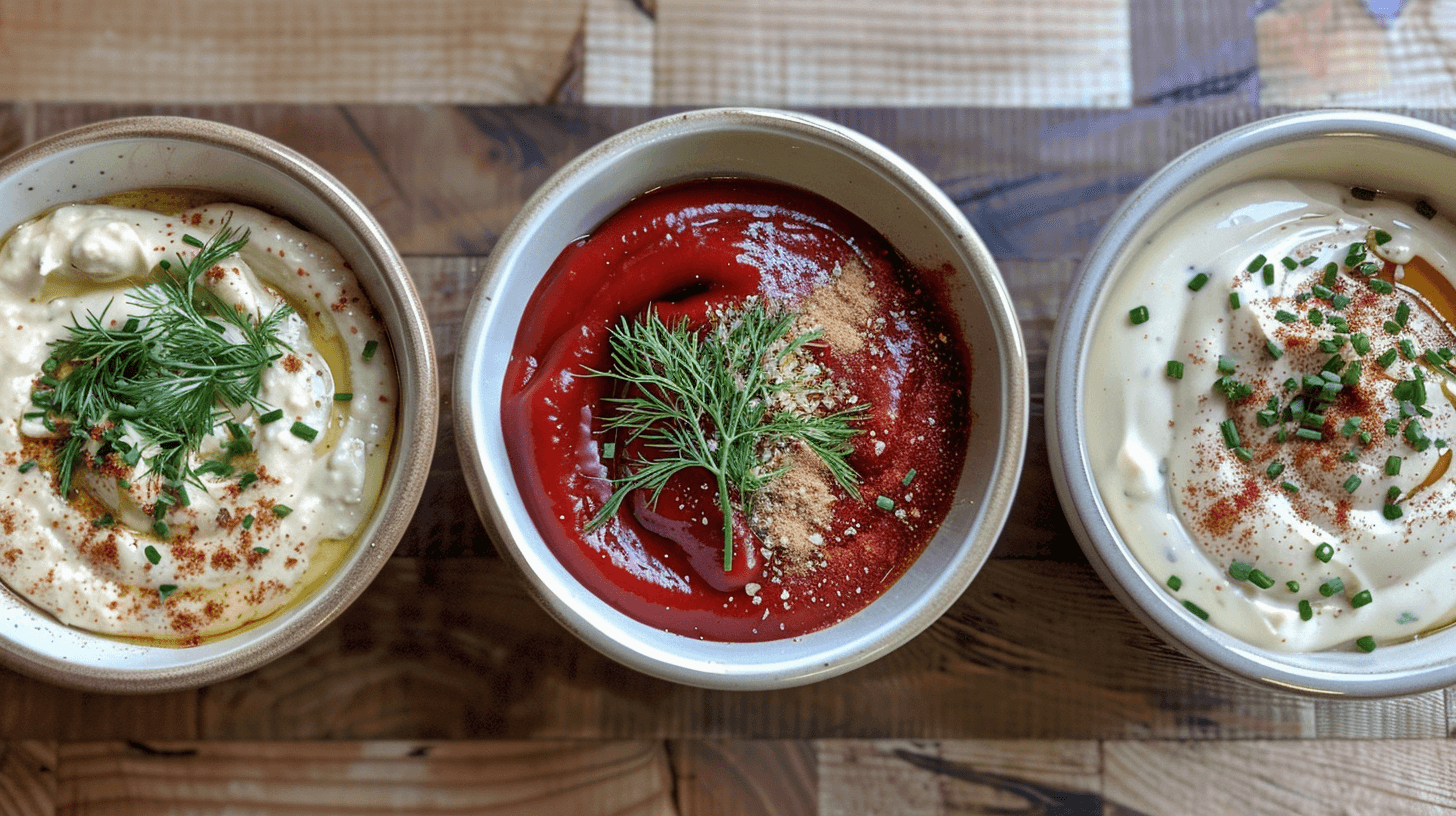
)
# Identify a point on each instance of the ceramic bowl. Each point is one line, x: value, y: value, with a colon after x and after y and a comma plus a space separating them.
x: 874, y: 184
x: 149, y: 152
x: 1372, y: 150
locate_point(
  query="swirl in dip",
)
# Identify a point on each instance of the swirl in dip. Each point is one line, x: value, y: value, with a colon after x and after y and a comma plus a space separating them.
x: 1272, y: 435
x: 809, y: 553
x: 274, y: 514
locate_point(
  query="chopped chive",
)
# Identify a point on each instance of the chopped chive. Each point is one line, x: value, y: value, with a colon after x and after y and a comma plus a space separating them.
x: 1292, y: 586
x: 1360, y: 342
x: 1315, y: 317
x: 1321, y: 291
x: 1349, y: 456
x: 1285, y: 317
x: 1351, y: 426
x: 609, y: 450
x: 246, y: 479
x: 304, y: 432
x: 1273, y: 350
x: 369, y: 349
x: 160, y: 528
x: 260, y: 550
x: 1260, y: 580
x: 1351, y: 484
x: 1290, y: 486
x: 885, y: 503
x: 1381, y: 237
x: 1138, y: 314
x: 1366, y: 644
x: 1198, y: 281
x: 1331, y: 270
x: 1387, y: 359
x: 1391, y: 327
x: 1364, y: 437
x: 1324, y: 552
x: 1305, y: 610
x: 165, y: 590
x: 152, y: 555
x: 1334, y: 586
x: 191, y: 241
x: 1425, y: 210
x: 1233, y: 300
x: 343, y: 396
x: 105, y: 521
x: 1392, y: 494
x: 1407, y: 348
x: 1268, y: 274
x: 1256, y: 263
x: 1308, y: 261
x: 281, y: 510
x: 1360, y: 598
x: 272, y: 416
x: 247, y: 521
x: 28, y: 465
x: 1175, y: 369
x: 1402, y: 313
x: 1175, y: 583
x: 1275, y: 468
x: 1392, y: 512
x: 909, y: 477
x: 239, y: 446
x: 1195, y: 609
x: 1392, y: 465
x: 1225, y: 364
x: 1312, y: 434
x: 1289, y: 263
x: 1230, y: 433
x: 1381, y: 287
x: 1244, y: 453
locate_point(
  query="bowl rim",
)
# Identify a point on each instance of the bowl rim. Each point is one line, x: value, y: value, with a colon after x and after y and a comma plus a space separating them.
x: 739, y: 673
x: 415, y: 433
x: 1071, y: 471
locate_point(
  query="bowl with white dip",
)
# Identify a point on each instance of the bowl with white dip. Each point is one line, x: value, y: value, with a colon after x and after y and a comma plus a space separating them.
x: 1252, y: 411
x: 220, y: 403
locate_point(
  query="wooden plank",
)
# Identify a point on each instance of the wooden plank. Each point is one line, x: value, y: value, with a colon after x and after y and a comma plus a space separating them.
x: 36, y: 710
x: 738, y: 778
x: 326, y: 51
x: 933, y: 778
x: 27, y: 778
x: 1256, y: 778
x: 454, y: 648
x: 1004, y: 53
x: 496, y: 778
x: 1338, y: 52
x: 1192, y: 50
x: 620, y: 39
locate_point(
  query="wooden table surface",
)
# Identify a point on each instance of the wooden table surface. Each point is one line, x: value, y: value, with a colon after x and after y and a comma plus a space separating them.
x: 445, y: 689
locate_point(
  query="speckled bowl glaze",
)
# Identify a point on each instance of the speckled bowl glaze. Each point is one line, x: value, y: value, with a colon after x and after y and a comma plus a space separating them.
x: 879, y: 187
x: 1374, y: 150
x: 128, y: 154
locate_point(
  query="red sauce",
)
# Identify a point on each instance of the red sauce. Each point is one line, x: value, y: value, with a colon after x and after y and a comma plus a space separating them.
x: 685, y: 250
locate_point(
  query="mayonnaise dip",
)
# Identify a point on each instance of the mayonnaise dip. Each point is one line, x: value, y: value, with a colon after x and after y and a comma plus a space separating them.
x: 248, y: 541
x: 1193, y: 471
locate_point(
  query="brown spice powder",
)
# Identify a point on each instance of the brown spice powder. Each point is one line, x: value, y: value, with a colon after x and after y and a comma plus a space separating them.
x: 841, y: 309
x: 796, y: 508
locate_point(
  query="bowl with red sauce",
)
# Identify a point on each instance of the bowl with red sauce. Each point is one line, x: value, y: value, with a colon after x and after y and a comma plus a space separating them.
x: 743, y: 397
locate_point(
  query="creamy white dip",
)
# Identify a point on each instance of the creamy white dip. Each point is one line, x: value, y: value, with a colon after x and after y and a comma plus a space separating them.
x: 1189, y: 505
x: 230, y: 555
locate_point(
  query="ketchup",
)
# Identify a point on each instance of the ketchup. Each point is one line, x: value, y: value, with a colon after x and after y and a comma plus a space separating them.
x: 685, y: 251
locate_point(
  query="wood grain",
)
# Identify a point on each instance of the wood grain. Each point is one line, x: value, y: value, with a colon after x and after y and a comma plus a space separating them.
x: 745, y: 778
x: 496, y: 778
x: 27, y: 778
x: 327, y: 51
x: 1336, y: 52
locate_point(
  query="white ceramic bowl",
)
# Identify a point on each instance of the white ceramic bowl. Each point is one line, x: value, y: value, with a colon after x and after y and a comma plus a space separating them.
x: 875, y: 185
x: 148, y: 152
x: 1373, y: 150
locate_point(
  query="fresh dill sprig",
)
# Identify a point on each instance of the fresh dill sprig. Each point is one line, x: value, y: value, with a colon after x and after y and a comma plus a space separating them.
x: 706, y: 399
x: 169, y: 374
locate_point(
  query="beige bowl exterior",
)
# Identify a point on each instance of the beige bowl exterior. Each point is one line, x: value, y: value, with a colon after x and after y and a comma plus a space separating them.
x: 145, y: 152
x: 874, y: 184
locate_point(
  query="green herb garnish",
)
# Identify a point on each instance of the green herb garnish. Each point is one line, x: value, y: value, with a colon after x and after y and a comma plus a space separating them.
x: 704, y: 399
x: 169, y: 376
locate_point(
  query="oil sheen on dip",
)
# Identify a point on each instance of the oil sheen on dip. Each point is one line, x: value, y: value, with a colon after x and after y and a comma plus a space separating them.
x: 1347, y: 520
x: 242, y: 548
x: 686, y: 251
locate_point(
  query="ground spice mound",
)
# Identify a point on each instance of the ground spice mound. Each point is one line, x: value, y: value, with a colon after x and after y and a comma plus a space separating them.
x: 842, y: 309
x: 792, y: 512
